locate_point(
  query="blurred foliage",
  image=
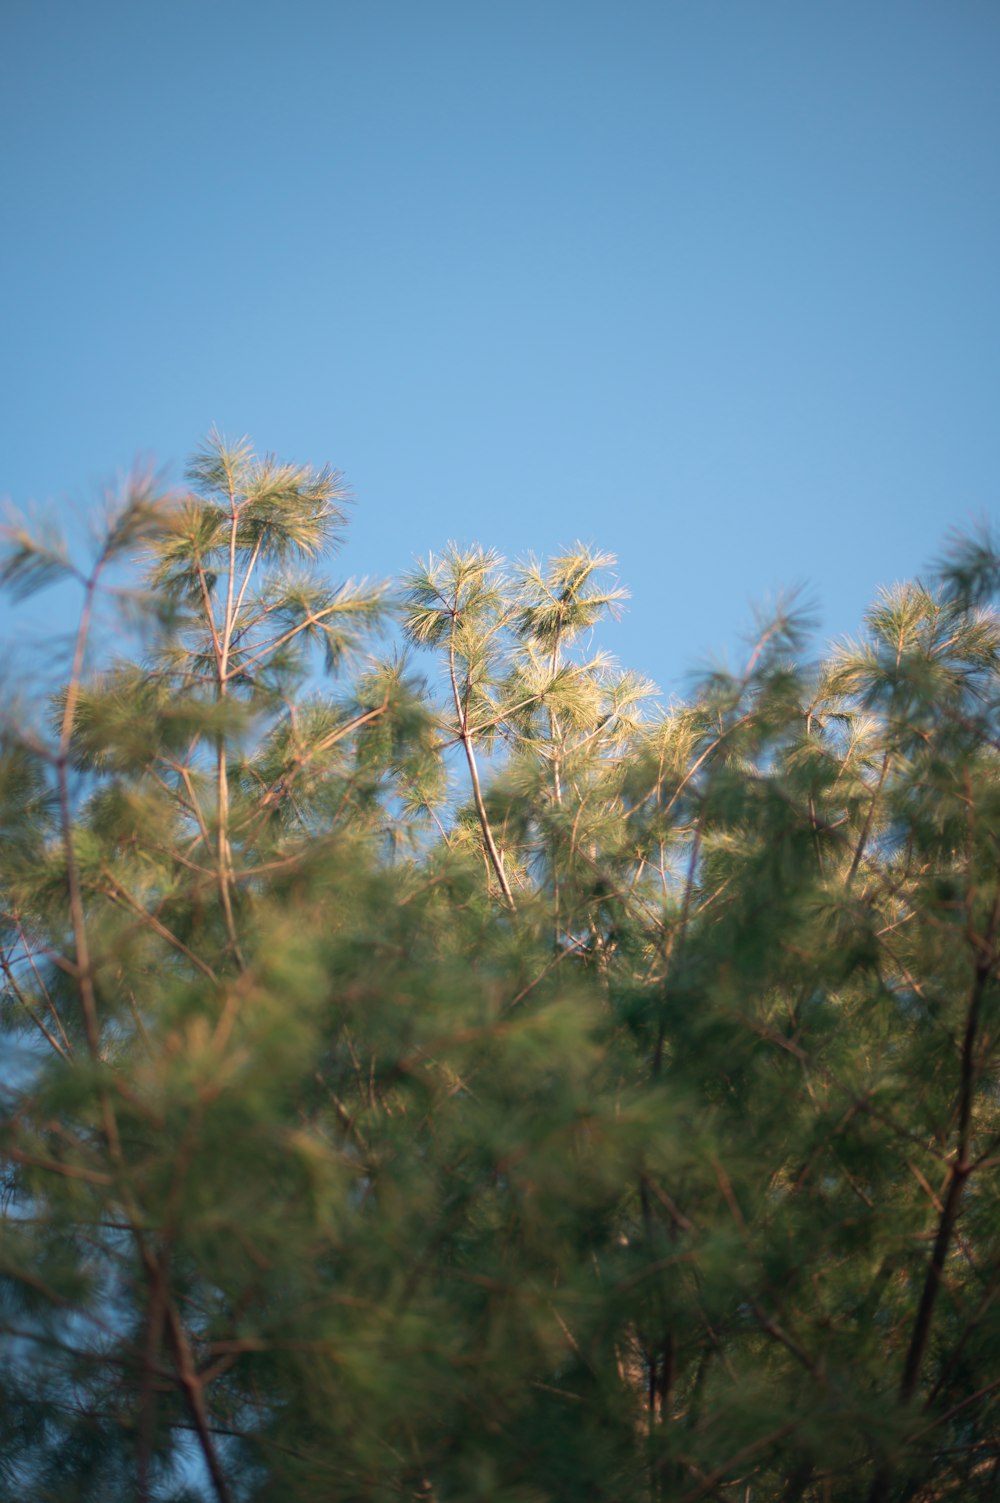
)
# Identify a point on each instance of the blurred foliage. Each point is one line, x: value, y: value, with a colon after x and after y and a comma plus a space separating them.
x: 468, y: 1079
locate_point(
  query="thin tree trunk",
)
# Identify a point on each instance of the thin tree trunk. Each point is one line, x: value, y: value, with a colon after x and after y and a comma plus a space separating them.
x: 960, y: 1172
x: 223, y: 853
x: 195, y: 1399
x: 477, y: 793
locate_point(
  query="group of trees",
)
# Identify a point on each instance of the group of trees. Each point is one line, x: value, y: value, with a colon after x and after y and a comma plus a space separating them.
x: 474, y: 1080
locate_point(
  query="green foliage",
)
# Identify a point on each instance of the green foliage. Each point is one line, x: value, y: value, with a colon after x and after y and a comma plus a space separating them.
x: 492, y: 1086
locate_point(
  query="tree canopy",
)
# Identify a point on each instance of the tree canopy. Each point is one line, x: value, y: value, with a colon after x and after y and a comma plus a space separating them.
x: 450, y: 1073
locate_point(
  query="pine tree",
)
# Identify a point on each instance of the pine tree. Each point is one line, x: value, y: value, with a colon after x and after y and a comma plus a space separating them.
x: 452, y: 1075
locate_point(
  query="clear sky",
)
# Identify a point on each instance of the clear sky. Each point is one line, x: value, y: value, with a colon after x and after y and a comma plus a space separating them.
x: 714, y: 285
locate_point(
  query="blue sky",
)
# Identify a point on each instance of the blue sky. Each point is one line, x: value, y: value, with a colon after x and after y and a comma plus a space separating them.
x: 714, y: 285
